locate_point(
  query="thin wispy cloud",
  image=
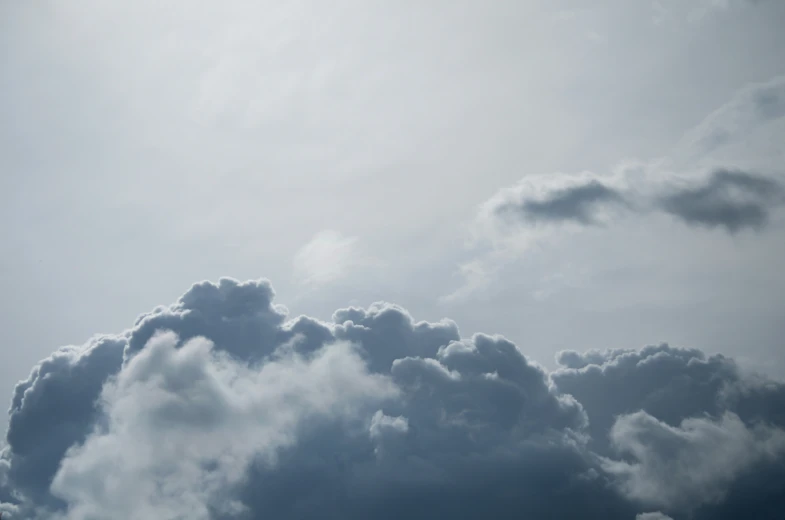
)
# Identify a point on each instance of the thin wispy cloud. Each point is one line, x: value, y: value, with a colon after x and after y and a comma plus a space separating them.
x: 328, y: 257
x: 751, y: 107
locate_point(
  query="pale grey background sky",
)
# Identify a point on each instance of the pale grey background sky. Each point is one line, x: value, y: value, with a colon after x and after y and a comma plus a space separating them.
x: 143, y: 148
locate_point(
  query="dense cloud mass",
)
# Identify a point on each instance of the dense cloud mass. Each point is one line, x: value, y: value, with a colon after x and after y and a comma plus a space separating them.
x: 220, y: 406
x: 733, y: 200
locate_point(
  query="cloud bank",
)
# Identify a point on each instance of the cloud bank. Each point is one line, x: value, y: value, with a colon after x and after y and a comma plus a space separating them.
x: 221, y: 406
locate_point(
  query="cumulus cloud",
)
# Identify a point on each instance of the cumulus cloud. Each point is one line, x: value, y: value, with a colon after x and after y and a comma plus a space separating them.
x: 679, y: 428
x: 182, y: 422
x: 683, y: 467
x: 670, y: 384
x: 221, y: 406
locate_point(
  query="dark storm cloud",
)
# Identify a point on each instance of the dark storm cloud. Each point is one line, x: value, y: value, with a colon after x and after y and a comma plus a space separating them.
x: 668, y: 408
x: 668, y: 383
x: 55, y: 408
x: 578, y: 203
x: 730, y: 199
x: 388, y: 332
x: 220, y: 407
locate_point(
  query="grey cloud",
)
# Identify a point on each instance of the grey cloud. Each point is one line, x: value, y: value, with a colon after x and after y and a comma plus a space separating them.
x: 675, y: 397
x: 576, y: 203
x: 730, y: 199
x: 183, y: 423
x: 652, y: 516
x: 220, y: 406
x: 681, y: 468
x: 239, y: 317
x: 389, y: 332
x: 670, y: 384
x: 55, y: 408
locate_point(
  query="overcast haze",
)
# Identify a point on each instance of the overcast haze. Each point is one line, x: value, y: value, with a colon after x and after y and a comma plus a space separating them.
x: 570, y: 176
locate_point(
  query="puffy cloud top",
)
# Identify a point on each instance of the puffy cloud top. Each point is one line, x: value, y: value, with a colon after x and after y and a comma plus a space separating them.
x: 221, y: 406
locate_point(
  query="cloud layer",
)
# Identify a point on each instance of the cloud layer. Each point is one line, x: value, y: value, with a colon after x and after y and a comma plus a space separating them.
x: 220, y: 406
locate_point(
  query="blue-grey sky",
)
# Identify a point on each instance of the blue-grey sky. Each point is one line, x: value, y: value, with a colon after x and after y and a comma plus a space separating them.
x: 571, y: 175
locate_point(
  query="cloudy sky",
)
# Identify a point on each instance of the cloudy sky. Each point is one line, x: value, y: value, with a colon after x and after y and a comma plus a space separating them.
x: 567, y: 178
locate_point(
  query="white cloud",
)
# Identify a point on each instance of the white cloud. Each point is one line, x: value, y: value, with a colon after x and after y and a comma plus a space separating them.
x: 184, y: 422
x: 328, y: 257
x: 690, y: 465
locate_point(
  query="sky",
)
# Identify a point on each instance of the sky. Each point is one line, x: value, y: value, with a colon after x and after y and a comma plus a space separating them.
x: 589, y: 185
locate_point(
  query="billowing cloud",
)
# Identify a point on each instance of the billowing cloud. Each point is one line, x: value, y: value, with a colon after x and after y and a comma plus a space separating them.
x: 681, y: 429
x: 221, y: 406
x: 683, y: 467
x: 183, y: 422
x: 66, y: 386
x: 670, y: 384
